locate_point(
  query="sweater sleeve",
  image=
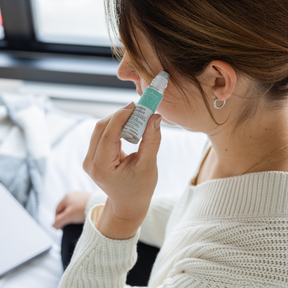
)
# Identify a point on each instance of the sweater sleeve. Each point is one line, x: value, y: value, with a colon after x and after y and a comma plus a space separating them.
x: 97, y: 260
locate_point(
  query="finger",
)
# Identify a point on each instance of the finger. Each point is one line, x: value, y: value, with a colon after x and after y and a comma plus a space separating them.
x: 151, y: 140
x: 109, y: 154
x: 61, y: 206
x: 61, y: 220
x: 97, y: 132
x: 122, y: 153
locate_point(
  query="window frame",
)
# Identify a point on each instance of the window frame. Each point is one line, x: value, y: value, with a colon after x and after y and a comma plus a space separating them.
x: 23, y: 51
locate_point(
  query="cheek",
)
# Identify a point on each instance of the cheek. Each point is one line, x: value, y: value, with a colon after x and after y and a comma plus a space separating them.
x: 143, y: 86
x: 173, y: 108
x: 169, y: 114
x: 168, y: 109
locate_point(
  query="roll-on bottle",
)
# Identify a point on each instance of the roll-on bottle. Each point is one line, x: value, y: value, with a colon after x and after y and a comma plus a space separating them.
x: 145, y: 108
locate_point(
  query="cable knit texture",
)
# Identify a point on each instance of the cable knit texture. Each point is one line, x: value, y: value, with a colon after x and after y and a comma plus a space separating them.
x: 230, y: 232
x: 96, y: 258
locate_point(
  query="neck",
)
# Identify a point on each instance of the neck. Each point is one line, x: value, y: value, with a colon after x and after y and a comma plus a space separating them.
x: 235, y: 151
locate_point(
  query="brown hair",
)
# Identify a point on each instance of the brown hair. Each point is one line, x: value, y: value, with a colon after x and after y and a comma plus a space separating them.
x: 250, y: 35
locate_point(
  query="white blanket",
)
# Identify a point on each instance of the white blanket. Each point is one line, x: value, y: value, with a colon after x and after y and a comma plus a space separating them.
x: 29, y: 127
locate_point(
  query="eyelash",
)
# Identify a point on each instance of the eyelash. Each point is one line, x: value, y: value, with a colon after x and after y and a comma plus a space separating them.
x: 131, y: 67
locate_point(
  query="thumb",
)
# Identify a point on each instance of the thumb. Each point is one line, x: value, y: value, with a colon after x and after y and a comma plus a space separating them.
x: 61, y: 206
x: 61, y: 220
x: 151, y: 139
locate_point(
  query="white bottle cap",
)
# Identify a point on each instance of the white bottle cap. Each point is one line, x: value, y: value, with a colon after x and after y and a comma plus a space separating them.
x: 161, y: 81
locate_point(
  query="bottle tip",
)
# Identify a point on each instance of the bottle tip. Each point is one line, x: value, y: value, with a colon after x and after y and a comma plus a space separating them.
x: 164, y: 74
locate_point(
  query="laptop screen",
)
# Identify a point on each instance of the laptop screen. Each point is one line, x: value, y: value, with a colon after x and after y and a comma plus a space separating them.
x: 21, y: 238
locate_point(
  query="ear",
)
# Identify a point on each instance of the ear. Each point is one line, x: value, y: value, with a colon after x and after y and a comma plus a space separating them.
x: 221, y: 79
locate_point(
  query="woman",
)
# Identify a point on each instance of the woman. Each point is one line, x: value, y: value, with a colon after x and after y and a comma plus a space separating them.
x: 228, y: 63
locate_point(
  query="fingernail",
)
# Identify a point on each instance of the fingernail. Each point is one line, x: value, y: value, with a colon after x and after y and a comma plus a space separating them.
x: 157, y: 123
x: 129, y: 106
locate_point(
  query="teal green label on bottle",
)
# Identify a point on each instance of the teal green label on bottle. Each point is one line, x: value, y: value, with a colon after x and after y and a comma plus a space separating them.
x: 150, y: 98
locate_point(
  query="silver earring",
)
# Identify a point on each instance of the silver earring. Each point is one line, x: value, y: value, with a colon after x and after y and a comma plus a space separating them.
x: 218, y: 107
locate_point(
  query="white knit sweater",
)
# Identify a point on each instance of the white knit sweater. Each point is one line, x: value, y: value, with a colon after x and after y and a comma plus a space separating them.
x: 230, y: 232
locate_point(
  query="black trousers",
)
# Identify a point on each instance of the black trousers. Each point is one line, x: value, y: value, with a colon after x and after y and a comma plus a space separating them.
x: 137, y: 276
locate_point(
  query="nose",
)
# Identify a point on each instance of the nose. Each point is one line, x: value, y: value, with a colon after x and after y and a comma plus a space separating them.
x: 124, y: 72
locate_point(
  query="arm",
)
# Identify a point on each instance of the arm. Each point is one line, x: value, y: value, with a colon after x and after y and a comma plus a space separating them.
x: 128, y: 180
x: 154, y: 224
x: 96, y: 198
x: 97, y: 260
x: 100, y: 262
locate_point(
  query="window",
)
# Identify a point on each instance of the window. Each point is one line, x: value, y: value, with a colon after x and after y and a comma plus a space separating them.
x: 1, y: 27
x: 71, y: 21
x: 58, y: 41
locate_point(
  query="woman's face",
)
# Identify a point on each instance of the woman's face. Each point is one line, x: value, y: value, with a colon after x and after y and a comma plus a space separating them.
x: 173, y: 108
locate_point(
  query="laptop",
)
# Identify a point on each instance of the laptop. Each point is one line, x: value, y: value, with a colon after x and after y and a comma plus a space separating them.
x: 21, y: 238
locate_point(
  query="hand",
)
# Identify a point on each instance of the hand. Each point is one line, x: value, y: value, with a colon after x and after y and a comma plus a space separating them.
x: 128, y: 180
x: 71, y: 209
